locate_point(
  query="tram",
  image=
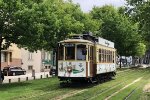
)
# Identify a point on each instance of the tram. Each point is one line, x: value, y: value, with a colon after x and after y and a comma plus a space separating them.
x: 85, y: 58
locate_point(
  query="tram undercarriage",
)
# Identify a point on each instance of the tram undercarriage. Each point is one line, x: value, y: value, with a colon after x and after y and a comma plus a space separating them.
x: 95, y: 79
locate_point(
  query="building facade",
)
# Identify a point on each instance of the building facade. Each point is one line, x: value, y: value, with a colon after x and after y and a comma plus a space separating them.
x: 39, y: 61
x: 11, y: 56
x: 31, y: 60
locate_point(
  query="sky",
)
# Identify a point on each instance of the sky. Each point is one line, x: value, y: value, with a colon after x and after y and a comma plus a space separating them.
x: 87, y: 5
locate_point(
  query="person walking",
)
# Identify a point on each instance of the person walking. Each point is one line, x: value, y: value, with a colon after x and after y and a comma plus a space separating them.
x: 2, y: 76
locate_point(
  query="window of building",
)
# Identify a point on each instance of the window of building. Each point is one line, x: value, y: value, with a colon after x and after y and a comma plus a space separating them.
x: 46, y: 67
x: 10, y: 59
x: 30, y: 56
x: 30, y: 67
x: 3, y: 57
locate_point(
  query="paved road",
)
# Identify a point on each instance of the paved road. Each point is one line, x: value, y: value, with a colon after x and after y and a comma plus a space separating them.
x: 24, y: 77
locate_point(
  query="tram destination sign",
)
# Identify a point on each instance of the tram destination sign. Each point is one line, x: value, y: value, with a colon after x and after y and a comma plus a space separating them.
x: 69, y: 45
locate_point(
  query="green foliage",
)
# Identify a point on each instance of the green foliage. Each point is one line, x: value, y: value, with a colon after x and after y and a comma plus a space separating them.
x: 140, y: 49
x: 41, y: 24
x: 118, y: 28
x: 140, y: 12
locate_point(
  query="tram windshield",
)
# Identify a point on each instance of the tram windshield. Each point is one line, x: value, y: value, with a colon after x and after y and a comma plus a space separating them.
x: 72, y: 52
x: 81, y: 52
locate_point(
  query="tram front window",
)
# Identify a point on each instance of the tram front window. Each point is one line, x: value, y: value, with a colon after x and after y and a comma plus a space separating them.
x: 81, y: 52
x: 70, y: 52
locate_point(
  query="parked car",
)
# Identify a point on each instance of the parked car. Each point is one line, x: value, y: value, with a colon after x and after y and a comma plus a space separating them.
x: 52, y: 71
x: 12, y: 71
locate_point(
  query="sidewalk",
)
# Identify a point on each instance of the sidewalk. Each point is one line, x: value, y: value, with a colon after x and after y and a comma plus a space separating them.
x: 28, y: 76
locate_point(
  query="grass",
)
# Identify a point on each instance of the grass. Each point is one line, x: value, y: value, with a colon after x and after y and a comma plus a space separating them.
x: 49, y: 88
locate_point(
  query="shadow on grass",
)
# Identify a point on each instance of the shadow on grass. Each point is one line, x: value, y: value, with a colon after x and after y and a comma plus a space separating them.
x: 71, y: 85
x: 4, y: 87
x: 83, y: 85
x: 58, y: 85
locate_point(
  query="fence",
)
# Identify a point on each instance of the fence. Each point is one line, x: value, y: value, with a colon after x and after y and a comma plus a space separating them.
x: 21, y: 78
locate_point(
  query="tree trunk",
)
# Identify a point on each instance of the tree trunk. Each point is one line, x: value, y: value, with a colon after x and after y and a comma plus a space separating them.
x: 126, y: 60
x: 134, y: 61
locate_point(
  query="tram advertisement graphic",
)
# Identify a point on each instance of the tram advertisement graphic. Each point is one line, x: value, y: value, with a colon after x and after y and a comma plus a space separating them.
x: 71, y: 69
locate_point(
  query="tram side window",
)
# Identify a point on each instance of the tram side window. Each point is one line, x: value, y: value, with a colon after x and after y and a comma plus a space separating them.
x: 113, y: 57
x: 81, y: 52
x: 105, y: 56
x: 60, y: 52
x: 70, y: 52
x: 99, y: 55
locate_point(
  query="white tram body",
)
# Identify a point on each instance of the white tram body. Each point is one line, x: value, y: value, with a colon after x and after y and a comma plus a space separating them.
x: 106, y: 66
x: 83, y: 59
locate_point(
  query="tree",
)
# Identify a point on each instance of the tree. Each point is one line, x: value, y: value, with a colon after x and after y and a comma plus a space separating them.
x: 117, y: 27
x: 140, y: 51
x: 18, y: 22
x: 45, y: 21
x: 40, y: 24
x: 139, y: 10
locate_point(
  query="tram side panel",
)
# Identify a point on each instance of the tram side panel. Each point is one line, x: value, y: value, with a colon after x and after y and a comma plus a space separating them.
x: 71, y: 69
x: 105, y: 68
x: 102, y: 66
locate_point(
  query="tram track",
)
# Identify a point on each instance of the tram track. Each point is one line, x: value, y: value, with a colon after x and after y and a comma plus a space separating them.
x: 74, y: 91
x: 79, y: 91
x: 104, y: 90
x: 126, y: 86
x: 108, y: 89
x: 136, y: 88
x: 123, y: 71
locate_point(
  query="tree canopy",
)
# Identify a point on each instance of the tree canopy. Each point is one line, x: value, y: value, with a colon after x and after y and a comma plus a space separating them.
x: 40, y: 24
x: 140, y: 12
x: 118, y: 28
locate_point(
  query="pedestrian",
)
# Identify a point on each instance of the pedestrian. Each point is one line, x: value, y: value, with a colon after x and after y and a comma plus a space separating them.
x: 2, y: 76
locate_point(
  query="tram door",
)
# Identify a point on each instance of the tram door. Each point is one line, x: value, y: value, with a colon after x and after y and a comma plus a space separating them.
x: 91, y: 60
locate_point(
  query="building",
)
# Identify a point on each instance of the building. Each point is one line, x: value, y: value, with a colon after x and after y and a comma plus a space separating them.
x: 11, y: 56
x: 39, y: 61
x: 31, y: 60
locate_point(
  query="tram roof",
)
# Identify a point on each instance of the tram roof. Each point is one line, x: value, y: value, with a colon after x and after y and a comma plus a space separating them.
x: 75, y: 41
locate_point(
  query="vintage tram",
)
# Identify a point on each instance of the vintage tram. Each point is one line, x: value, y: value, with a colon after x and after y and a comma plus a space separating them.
x: 85, y: 58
